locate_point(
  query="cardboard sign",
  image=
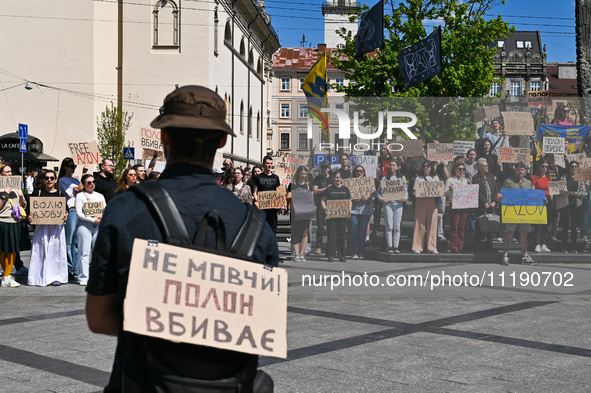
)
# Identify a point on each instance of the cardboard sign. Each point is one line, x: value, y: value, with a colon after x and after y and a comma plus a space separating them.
x: 369, y: 163
x: 440, y: 152
x: 392, y: 190
x: 522, y: 206
x: 585, y: 163
x: 553, y: 145
x: 271, y: 199
x: 93, y: 209
x: 48, y: 210
x: 85, y: 153
x: 302, y: 205
x: 286, y: 165
x: 429, y: 189
x: 575, y: 157
x: 559, y: 160
x: 518, y: 123
x: 338, y: 208
x: 561, y: 201
x: 462, y: 147
x: 148, y: 156
x: 465, y: 196
x: 557, y: 187
x: 478, y: 115
x: 11, y: 182
x: 360, y: 186
x: 150, y: 139
x: 514, y: 155
x: 582, y: 174
x: 189, y: 296
x: 410, y: 148
x: 492, y: 111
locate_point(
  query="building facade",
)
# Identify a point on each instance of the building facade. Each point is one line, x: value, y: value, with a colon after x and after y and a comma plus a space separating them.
x: 79, y: 56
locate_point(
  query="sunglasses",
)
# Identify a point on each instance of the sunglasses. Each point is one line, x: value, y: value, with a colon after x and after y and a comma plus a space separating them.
x: 461, y: 169
x: 359, y: 170
x: 49, y: 178
x: 132, y: 175
x: 90, y: 182
x: 574, y: 166
x: 544, y: 166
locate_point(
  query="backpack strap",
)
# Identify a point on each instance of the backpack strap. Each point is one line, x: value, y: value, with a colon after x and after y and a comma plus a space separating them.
x: 212, y: 218
x: 169, y: 219
x: 249, y: 233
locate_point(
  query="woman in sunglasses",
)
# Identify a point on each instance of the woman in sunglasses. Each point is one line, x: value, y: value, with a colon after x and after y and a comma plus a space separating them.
x: 49, y: 261
x: 89, y: 208
x: 128, y: 178
x: 458, y: 216
x: 562, y: 116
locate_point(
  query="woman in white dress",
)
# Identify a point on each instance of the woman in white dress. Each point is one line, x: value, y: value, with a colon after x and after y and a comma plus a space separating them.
x: 49, y: 260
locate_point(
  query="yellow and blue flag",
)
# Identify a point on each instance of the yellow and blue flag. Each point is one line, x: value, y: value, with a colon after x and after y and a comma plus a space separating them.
x: 315, y: 88
x: 523, y: 206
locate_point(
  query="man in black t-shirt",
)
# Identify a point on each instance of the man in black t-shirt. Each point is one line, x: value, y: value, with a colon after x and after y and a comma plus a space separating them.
x: 267, y: 181
x: 320, y: 183
x: 106, y: 184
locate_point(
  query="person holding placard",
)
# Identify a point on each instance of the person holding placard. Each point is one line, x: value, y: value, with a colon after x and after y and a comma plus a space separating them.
x: 540, y: 181
x: 493, y: 160
x: 393, y: 209
x: 471, y: 170
x: 267, y: 181
x: 49, y: 260
x: 457, y: 216
x: 88, y: 225
x: 359, y: 220
x: 336, y: 228
x: 517, y: 181
x: 425, y: 214
x: 496, y: 138
x: 572, y: 214
x: 299, y: 228
x: 13, y: 236
x: 68, y: 186
x: 128, y: 178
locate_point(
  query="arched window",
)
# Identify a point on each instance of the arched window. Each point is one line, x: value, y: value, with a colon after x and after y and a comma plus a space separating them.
x: 216, y: 23
x: 242, y: 117
x: 228, y: 32
x: 258, y: 126
x: 250, y: 58
x: 242, y: 50
x: 166, y: 23
x: 260, y: 67
x: 228, y: 109
x: 250, y: 122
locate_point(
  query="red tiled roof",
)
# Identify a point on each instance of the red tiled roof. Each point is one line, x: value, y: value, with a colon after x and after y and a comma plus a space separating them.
x: 563, y: 86
x: 298, y: 58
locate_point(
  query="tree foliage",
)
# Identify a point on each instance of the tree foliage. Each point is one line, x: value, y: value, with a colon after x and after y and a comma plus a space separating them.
x: 467, y: 69
x: 112, y: 125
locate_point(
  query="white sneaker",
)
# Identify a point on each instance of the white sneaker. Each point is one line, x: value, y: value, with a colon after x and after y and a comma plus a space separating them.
x: 545, y: 248
x: 355, y: 256
x: 538, y: 249
x: 434, y: 252
x: 302, y: 258
x: 296, y: 258
x: 9, y: 282
x: 83, y: 282
x: 417, y: 251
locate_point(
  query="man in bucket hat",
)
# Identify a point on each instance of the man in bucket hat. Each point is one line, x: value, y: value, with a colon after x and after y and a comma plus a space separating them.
x: 193, y: 127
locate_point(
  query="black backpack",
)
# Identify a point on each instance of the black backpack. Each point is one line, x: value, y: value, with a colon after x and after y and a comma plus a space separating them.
x: 175, y: 233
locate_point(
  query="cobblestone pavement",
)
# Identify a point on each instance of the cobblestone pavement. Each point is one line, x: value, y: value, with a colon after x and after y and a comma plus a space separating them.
x: 431, y: 327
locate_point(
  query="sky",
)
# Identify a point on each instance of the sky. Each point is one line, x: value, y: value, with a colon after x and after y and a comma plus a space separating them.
x: 555, y: 19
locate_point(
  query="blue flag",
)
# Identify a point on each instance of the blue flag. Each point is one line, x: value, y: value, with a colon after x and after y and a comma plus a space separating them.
x: 575, y: 135
x: 370, y: 35
x: 421, y: 61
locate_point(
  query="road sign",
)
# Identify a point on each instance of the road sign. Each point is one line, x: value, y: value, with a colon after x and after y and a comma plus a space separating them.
x: 23, y: 131
x: 23, y: 145
x: 334, y: 160
x: 129, y: 153
x: 319, y: 159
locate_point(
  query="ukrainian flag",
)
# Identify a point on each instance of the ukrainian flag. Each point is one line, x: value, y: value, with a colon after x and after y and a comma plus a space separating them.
x: 525, y: 206
x: 315, y: 89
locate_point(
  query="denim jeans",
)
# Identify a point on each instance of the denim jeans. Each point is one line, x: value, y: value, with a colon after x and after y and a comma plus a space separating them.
x: 72, y: 241
x: 357, y: 229
x: 392, y: 220
x: 86, y: 237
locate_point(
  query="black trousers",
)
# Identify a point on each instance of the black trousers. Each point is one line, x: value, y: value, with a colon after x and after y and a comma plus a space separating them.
x: 320, y: 224
x: 570, y: 218
x: 337, y: 229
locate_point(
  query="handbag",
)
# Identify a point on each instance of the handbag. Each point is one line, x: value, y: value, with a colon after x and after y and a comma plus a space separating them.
x: 17, y: 211
x: 489, y: 222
